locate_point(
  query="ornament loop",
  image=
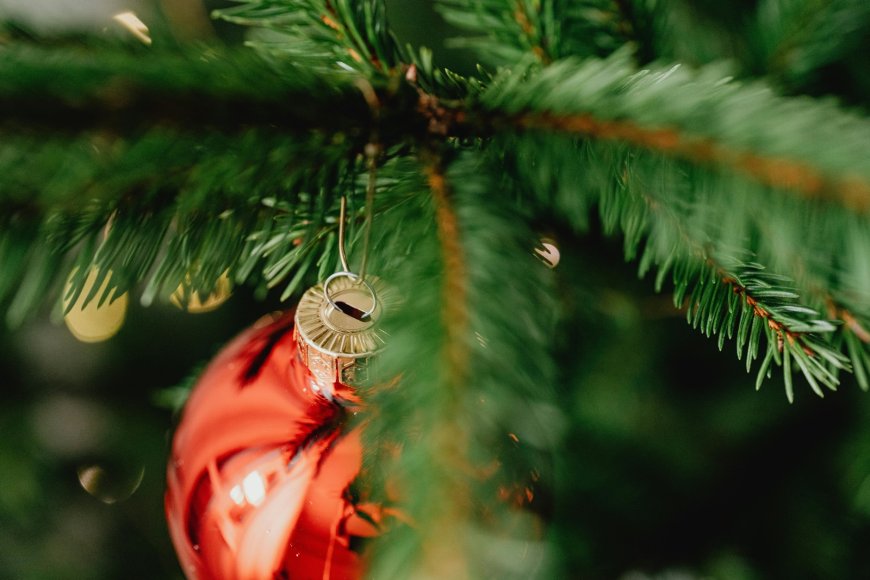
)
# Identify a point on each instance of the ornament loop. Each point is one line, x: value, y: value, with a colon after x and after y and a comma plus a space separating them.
x: 357, y: 280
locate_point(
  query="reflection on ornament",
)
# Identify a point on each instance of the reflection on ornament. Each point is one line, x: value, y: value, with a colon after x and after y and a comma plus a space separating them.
x: 193, y: 303
x: 134, y: 25
x: 548, y: 253
x: 95, y: 322
x: 259, y: 482
x: 110, y: 484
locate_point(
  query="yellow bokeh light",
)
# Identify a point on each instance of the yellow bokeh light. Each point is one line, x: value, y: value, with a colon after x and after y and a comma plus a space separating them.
x: 110, y: 485
x: 94, y: 323
x: 193, y: 303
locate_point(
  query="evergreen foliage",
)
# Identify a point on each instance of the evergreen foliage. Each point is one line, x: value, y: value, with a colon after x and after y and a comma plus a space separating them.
x: 711, y: 151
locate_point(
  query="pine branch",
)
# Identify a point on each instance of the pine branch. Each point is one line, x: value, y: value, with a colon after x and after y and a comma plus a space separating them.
x: 796, y: 38
x: 124, y: 91
x: 768, y: 306
x: 599, y: 28
x: 402, y: 447
x: 563, y: 97
x: 455, y: 316
x: 799, y: 46
x: 527, y: 16
x: 822, y: 247
x: 444, y: 555
x: 208, y: 169
x: 463, y: 502
x: 855, y: 339
x: 770, y: 171
x: 170, y: 170
x: 506, y: 32
x: 692, y: 33
x: 698, y: 117
x: 802, y: 244
x: 730, y: 294
x: 329, y: 36
x: 208, y: 212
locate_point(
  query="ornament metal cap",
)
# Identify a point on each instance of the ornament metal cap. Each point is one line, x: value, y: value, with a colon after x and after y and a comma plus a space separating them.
x: 336, y: 328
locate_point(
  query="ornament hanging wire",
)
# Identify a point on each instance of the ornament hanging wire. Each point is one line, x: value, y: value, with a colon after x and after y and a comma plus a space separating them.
x: 342, y: 251
x: 371, y: 152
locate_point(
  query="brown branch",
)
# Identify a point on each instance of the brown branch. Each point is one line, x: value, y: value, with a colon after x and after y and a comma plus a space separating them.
x: 454, y: 307
x: 781, y: 330
x: 127, y: 102
x: 852, y: 191
x: 444, y: 551
x: 851, y: 323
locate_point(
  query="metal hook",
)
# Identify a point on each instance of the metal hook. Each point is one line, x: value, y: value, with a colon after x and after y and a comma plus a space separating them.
x: 357, y: 279
x: 342, y: 255
x: 371, y: 154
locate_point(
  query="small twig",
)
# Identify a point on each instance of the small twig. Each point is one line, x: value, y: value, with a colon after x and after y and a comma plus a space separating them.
x: 525, y: 23
x: 849, y: 320
x: 782, y: 331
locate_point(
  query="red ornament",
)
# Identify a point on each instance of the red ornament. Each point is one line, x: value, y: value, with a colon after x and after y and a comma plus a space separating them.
x: 259, y: 483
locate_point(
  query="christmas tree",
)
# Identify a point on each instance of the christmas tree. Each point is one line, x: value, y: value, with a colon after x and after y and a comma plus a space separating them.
x: 497, y: 171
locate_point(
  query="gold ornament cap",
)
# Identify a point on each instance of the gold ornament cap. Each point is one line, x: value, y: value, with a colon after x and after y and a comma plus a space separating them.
x: 336, y: 328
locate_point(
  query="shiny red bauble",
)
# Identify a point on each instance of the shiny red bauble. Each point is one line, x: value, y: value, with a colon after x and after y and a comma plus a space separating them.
x: 259, y: 485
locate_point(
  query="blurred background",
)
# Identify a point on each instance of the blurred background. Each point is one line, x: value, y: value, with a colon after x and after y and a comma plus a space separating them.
x: 671, y: 466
